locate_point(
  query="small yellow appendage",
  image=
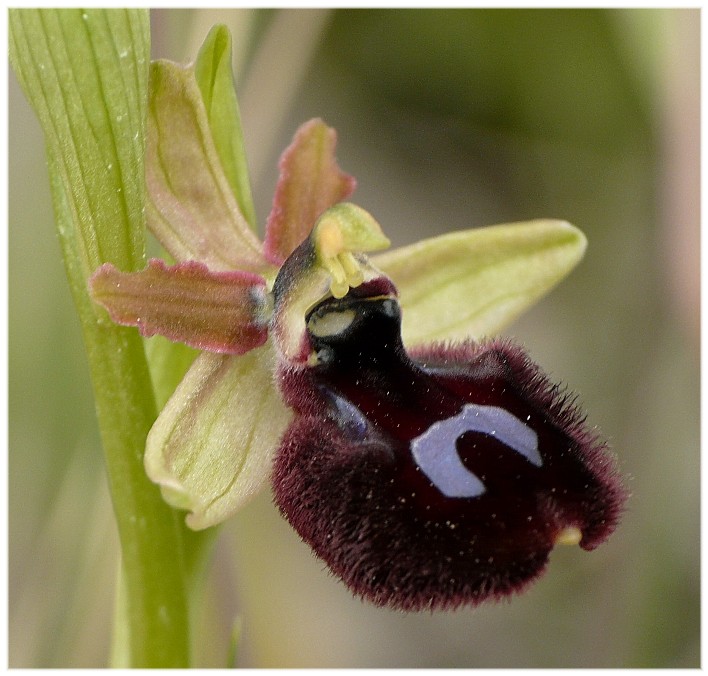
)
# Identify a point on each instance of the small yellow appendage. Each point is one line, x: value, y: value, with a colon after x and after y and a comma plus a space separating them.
x: 340, y: 231
x: 570, y: 535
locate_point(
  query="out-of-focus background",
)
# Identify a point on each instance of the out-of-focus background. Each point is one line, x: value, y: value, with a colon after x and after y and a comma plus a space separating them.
x: 449, y: 119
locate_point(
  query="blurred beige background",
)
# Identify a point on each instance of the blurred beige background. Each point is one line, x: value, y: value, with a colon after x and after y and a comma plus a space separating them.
x: 449, y: 120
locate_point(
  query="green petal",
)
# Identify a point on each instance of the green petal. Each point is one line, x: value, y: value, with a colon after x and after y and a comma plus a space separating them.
x: 310, y: 182
x: 192, y: 209
x: 473, y: 283
x: 216, y: 311
x: 212, y: 446
x: 214, y: 76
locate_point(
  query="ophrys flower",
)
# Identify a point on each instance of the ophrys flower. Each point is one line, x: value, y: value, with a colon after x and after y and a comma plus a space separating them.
x: 425, y: 474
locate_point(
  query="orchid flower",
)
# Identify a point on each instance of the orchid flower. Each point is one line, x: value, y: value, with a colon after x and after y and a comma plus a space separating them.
x: 426, y: 473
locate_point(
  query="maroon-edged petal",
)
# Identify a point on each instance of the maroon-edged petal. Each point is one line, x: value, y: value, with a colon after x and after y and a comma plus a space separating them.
x: 310, y: 182
x: 440, y: 480
x: 216, y: 311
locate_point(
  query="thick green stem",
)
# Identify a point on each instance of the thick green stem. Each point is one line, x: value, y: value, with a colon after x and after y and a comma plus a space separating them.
x: 85, y: 73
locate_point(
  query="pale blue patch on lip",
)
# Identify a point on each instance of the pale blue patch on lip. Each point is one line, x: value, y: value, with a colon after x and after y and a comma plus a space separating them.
x: 435, y: 450
x: 349, y: 417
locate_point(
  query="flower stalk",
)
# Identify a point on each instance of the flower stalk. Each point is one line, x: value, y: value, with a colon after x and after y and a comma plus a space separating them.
x: 85, y: 74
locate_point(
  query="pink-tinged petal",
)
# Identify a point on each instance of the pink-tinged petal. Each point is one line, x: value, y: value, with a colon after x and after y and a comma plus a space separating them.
x: 192, y: 209
x: 211, y: 448
x: 215, y: 311
x: 310, y: 182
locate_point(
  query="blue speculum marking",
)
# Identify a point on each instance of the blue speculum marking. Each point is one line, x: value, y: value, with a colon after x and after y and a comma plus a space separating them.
x: 349, y: 416
x: 435, y: 450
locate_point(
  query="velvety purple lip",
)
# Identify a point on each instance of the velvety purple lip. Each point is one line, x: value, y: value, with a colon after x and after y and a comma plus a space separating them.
x: 439, y: 481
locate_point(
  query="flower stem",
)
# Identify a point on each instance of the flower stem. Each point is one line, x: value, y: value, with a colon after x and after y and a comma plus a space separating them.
x: 85, y: 74
x: 150, y: 537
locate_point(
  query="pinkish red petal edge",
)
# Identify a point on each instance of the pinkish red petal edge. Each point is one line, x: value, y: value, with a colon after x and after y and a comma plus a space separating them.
x: 216, y: 311
x: 310, y: 182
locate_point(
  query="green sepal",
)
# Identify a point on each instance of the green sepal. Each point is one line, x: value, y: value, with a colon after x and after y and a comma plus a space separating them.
x: 476, y: 282
x: 212, y: 446
x: 192, y: 209
x: 213, y: 72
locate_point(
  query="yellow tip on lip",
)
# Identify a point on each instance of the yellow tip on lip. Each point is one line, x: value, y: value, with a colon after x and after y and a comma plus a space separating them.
x: 570, y: 535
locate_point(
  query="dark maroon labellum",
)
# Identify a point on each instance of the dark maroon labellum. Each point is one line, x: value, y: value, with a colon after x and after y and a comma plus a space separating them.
x: 439, y: 479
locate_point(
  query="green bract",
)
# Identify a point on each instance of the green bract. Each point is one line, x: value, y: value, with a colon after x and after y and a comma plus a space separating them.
x: 211, y: 447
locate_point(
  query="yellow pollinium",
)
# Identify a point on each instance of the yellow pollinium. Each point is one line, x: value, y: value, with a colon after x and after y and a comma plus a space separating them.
x: 338, y: 233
